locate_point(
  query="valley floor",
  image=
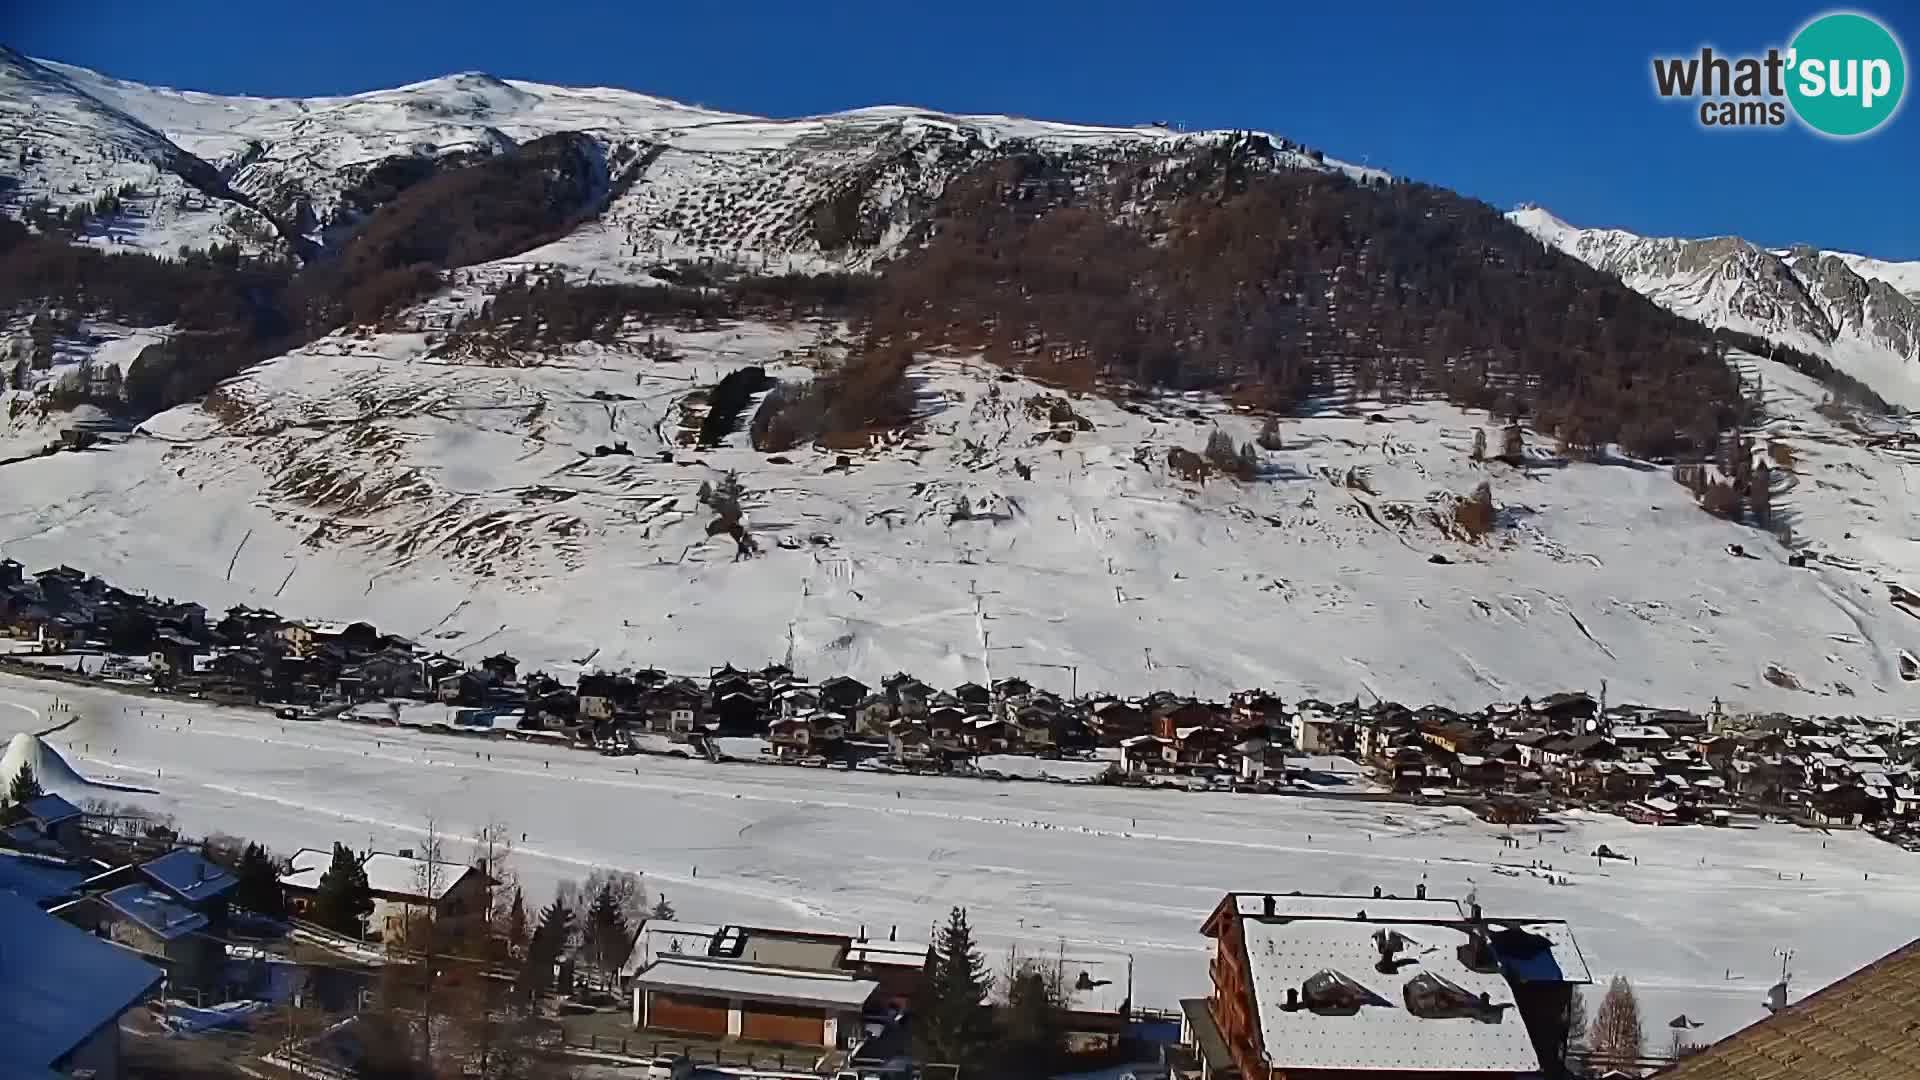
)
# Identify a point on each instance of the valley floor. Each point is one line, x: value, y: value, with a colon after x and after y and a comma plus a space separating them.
x: 1106, y: 876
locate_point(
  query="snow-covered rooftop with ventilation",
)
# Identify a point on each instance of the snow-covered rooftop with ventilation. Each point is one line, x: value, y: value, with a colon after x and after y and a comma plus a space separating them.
x: 1283, y: 955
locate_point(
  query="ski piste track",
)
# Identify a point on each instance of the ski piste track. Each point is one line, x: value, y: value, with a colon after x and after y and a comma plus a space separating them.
x: 1103, y: 876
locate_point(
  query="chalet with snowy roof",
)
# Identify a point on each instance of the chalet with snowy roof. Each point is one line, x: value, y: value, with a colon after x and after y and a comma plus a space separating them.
x: 1564, y: 711
x: 909, y: 743
x: 1114, y: 720
x: 991, y: 735
x: 1259, y: 759
x: 781, y: 987
x: 972, y: 693
x: 841, y: 692
x: 401, y: 885
x: 1325, y: 987
x: 1011, y: 687
x: 1184, y: 714
x: 1144, y: 754
x: 1316, y: 731
x: 63, y: 993
x: 52, y: 817
x: 161, y: 928
x: 1255, y: 712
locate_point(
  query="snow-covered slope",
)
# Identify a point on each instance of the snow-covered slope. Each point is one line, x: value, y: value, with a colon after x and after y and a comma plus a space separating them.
x: 68, y: 147
x: 1858, y: 313
x: 466, y: 505
x: 705, y: 183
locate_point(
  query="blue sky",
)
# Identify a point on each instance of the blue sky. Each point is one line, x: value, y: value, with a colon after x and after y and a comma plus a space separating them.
x: 1513, y: 102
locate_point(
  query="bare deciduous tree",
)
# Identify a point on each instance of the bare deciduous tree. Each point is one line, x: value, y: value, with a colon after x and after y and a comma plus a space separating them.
x: 1617, y: 1036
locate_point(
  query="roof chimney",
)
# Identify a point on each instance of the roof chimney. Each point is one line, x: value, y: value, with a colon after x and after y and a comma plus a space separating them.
x: 1476, y: 913
x: 1293, y: 999
x: 1376, y: 892
x: 1266, y: 905
x: 1421, y: 892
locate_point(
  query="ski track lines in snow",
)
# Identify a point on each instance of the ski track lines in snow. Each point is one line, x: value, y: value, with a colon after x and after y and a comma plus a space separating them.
x: 1103, y: 873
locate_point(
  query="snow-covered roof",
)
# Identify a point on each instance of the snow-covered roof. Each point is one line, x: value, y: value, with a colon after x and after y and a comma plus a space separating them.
x: 1562, y: 962
x: 1662, y: 805
x: 188, y: 875
x: 1377, y: 908
x: 62, y: 984
x: 155, y: 911
x: 1636, y: 768
x: 37, y: 878
x: 408, y: 876
x: 755, y: 983
x: 1640, y: 733
x: 1383, y: 1034
x: 665, y: 937
x: 904, y: 954
x: 50, y: 810
x: 398, y: 875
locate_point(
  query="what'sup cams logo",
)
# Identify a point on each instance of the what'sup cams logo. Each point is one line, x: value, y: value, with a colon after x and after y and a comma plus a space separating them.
x: 1843, y: 75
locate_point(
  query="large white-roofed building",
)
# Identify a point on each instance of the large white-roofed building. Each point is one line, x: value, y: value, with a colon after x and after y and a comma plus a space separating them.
x: 1328, y: 987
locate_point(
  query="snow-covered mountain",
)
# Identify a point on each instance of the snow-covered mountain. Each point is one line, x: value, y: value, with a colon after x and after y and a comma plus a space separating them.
x: 703, y: 183
x: 1860, y: 314
x: 548, y: 505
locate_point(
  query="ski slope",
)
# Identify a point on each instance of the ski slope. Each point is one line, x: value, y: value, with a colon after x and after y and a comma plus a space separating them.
x: 1099, y: 875
x: 374, y: 477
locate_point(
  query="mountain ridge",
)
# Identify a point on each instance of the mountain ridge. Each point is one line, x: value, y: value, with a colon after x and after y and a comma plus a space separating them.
x: 1829, y: 304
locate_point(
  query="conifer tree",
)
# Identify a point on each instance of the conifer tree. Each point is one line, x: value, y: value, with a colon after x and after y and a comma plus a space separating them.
x: 344, y: 898
x: 954, y: 1026
x: 517, y: 922
x: 259, y: 884
x: 606, y: 932
x: 549, y: 944
x: 25, y: 786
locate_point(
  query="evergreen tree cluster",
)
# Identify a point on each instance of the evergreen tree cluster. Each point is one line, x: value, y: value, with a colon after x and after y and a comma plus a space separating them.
x: 1295, y: 283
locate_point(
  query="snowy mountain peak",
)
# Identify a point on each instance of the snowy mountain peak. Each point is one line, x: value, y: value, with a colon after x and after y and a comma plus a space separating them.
x: 1833, y: 305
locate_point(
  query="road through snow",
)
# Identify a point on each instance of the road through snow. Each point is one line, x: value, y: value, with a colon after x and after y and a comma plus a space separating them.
x: 1098, y: 874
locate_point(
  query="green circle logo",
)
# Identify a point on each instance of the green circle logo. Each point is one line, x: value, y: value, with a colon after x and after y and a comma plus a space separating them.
x: 1847, y: 75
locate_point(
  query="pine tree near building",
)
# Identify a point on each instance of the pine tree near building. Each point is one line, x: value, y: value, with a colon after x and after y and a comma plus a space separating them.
x: 259, y: 888
x: 954, y: 1027
x: 24, y: 787
x: 606, y: 933
x: 1031, y: 1036
x: 549, y: 944
x: 344, y: 899
x: 517, y: 923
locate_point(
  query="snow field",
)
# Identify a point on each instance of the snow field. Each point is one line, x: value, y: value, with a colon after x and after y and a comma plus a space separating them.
x: 1098, y: 874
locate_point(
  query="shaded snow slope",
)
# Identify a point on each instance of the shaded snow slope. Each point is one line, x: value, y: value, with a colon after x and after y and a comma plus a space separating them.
x: 362, y: 477
x: 1860, y: 314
